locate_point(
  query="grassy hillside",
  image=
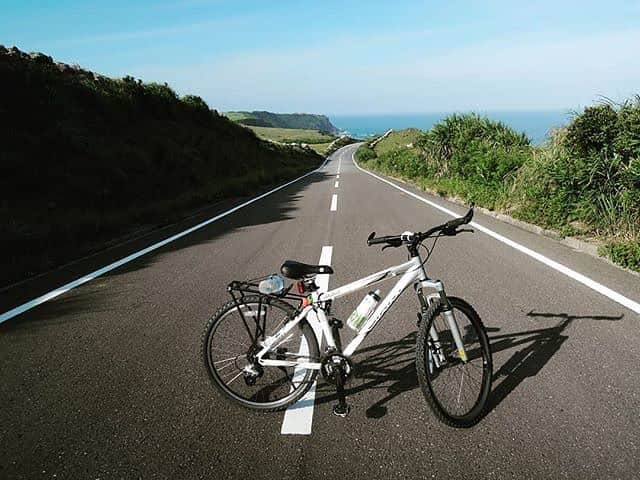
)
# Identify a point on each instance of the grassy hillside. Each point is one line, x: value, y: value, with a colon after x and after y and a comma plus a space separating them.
x: 305, y: 121
x: 238, y: 116
x: 585, y: 181
x: 86, y: 158
x: 292, y: 135
x: 398, y: 139
x: 321, y: 148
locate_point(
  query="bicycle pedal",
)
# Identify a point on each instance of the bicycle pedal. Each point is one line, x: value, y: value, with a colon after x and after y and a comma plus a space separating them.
x: 341, y: 410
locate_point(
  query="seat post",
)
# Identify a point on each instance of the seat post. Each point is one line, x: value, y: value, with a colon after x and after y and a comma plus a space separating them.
x: 336, y: 325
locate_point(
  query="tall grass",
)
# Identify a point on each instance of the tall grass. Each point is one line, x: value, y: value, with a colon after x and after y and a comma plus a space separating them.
x: 585, y: 180
x: 589, y: 173
x: 458, y: 146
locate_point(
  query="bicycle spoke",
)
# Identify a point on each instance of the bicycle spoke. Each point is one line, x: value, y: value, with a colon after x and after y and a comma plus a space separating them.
x: 243, y: 345
x: 460, y: 389
x: 225, y: 366
x: 471, y: 377
x: 226, y: 360
x: 234, y: 378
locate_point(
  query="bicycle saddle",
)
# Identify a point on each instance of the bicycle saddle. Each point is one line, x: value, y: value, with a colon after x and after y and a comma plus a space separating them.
x: 296, y: 270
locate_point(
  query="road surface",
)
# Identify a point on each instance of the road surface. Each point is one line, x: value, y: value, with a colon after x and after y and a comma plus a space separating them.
x: 107, y: 381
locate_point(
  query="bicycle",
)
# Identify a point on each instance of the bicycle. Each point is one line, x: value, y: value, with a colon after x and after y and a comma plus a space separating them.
x: 270, y: 343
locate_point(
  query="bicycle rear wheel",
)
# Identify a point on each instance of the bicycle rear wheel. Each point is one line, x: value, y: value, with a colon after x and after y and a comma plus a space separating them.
x: 231, y: 340
x: 456, y: 391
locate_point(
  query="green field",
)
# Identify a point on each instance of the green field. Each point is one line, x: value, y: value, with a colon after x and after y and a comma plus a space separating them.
x: 292, y: 135
x: 321, y: 148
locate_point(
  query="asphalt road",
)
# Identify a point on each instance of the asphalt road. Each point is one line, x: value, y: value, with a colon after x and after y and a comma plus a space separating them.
x: 107, y: 381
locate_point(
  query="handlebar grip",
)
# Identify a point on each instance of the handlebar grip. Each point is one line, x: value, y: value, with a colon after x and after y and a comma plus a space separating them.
x: 456, y: 222
x: 453, y: 224
x: 378, y: 240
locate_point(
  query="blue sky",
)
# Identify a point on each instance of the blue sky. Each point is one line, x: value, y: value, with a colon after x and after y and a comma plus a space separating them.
x: 349, y: 57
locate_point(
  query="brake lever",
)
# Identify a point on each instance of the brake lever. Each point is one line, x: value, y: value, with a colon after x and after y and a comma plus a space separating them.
x: 386, y: 246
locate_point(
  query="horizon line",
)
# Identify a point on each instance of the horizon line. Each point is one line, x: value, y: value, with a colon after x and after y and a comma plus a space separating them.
x: 567, y: 110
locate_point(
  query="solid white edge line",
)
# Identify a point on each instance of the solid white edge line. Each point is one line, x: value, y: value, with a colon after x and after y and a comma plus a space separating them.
x: 334, y: 202
x: 592, y: 284
x: 90, y: 276
x: 298, y: 418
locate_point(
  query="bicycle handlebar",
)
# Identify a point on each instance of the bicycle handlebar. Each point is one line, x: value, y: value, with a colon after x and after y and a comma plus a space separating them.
x: 449, y: 229
x: 386, y: 239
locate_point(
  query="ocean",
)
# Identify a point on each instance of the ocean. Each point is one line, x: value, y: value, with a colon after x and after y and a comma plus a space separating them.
x: 535, y: 124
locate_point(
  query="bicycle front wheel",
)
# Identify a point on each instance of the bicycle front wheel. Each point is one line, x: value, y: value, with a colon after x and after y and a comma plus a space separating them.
x: 231, y: 340
x: 456, y: 390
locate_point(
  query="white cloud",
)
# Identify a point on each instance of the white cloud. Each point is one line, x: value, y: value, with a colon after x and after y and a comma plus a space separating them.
x: 375, y: 74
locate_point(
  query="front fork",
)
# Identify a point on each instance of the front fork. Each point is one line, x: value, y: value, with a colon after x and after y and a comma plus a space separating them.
x: 437, y: 357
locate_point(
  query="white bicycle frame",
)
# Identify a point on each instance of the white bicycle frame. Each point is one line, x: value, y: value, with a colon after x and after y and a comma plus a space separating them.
x: 412, y: 273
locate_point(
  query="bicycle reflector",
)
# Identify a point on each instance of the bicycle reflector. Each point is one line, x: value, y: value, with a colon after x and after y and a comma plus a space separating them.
x: 301, y: 287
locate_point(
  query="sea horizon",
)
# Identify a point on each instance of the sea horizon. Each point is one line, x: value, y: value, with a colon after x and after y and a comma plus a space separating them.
x: 536, y: 124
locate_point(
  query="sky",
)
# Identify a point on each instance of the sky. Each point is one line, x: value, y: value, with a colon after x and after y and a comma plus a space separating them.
x: 348, y: 57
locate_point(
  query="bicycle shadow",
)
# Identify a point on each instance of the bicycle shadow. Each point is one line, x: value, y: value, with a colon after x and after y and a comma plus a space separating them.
x: 388, y: 365
x: 391, y: 365
x: 540, y: 346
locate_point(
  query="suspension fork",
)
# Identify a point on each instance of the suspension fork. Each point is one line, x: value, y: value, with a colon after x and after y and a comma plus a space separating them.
x: 447, y: 312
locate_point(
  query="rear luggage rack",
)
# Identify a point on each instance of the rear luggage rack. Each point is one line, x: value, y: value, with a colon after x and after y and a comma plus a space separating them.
x: 239, y: 288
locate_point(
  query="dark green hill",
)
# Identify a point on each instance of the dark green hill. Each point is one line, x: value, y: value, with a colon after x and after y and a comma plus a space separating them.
x: 85, y: 158
x: 305, y: 121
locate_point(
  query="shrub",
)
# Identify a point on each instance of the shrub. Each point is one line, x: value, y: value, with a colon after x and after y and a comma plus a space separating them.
x: 195, y: 102
x: 597, y: 167
x: 365, y: 153
x: 593, y: 130
x: 404, y: 162
x: 626, y: 254
x: 627, y: 141
x: 471, y: 146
